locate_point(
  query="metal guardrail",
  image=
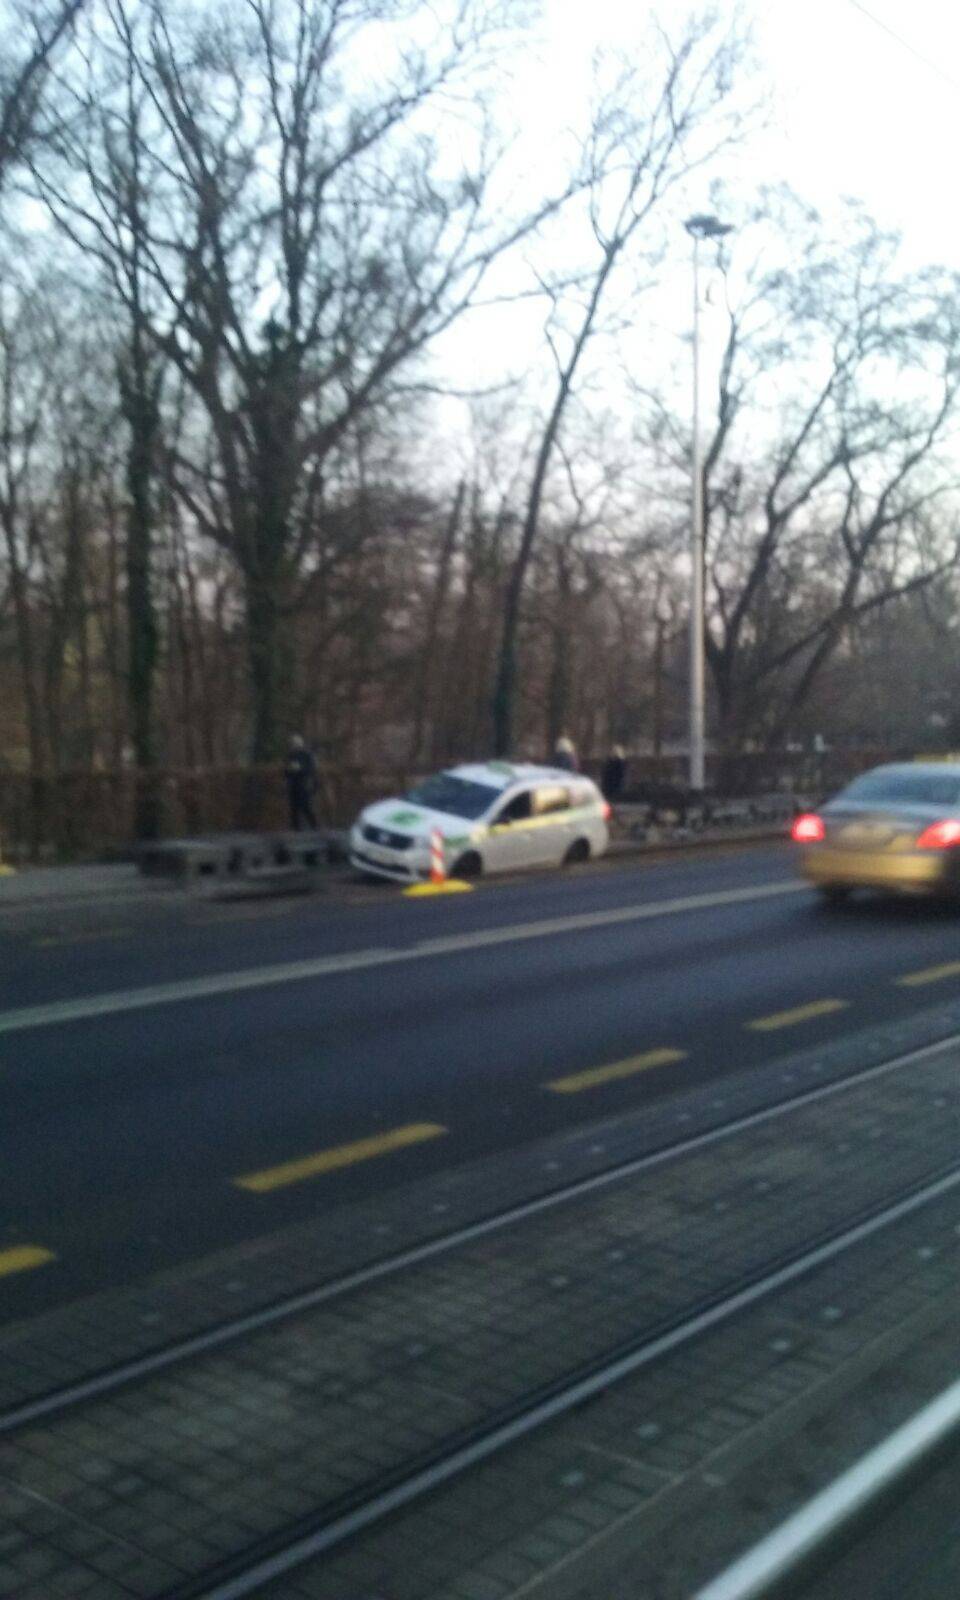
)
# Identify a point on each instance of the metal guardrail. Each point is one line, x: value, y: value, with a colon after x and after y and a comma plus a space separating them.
x: 784, y: 1554
x: 693, y: 816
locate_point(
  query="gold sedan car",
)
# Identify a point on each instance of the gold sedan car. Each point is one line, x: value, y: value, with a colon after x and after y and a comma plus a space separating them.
x: 894, y: 828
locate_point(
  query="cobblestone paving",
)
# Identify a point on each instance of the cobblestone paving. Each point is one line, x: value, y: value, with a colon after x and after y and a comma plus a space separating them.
x: 200, y: 1461
x: 656, y: 1485
x: 69, y: 1344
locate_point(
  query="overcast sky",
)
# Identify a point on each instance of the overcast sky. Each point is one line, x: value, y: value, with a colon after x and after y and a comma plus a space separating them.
x: 852, y: 113
x: 859, y: 114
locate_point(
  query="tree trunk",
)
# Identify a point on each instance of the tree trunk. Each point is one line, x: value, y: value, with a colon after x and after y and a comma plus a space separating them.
x: 200, y: 662
x: 505, y: 690
x: 139, y: 401
x: 558, y: 690
x: 27, y: 654
x: 66, y: 624
x: 262, y: 633
x: 504, y: 693
x: 422, y: 690
x: 561, y: 666
x: 111, y: 641
x: 729, y: 719
x: 802, y: 688
x: 658, y: 692
x: 262, y: 640
x: 88, y: 731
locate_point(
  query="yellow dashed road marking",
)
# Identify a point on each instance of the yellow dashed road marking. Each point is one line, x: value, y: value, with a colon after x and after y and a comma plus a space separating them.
x: 342, y: 1155
x: 913, y: 980
x: 617, y: 1069
x: 23, y: 1258
x: 789, y: 1019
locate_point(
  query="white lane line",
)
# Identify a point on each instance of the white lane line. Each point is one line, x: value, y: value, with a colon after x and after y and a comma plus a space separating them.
x: 222, y: 983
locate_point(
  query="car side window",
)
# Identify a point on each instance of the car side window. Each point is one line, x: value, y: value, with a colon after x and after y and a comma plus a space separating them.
x: 515, y: 810
x: 549, y: 798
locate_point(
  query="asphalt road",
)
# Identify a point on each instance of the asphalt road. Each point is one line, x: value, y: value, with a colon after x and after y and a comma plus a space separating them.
x: 419, y: 1034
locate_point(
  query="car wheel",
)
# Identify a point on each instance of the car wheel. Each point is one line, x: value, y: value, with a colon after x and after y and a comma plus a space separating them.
x: 468, y: 866
x: 578, y: 851
x: 833, y: 895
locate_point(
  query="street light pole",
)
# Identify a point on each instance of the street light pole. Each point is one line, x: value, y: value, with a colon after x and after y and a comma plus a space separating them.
x: 697, y: 676
x: 662, y: 619
x: 699, y: 227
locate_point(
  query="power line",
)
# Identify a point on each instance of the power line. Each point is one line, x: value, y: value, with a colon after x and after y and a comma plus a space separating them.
x: 905, y: 44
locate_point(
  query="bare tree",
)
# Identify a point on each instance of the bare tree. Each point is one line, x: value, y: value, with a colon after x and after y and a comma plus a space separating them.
x: 848, y: 505
x: 646, y: 138
x: 92, y: 177
x: 55, y: 458
x: 301, y: 249
x: 31, y: 35
x: 23, y: 398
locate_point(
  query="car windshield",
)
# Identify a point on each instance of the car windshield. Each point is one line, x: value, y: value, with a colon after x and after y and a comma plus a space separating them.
x: 459, y: 797
x: 906, y: 788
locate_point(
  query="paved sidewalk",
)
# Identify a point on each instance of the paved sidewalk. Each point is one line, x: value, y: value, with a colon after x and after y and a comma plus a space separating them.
x: 94, y: 883
x: 141, y: 1492
x: 29, y: 885
x: 658, y: 1484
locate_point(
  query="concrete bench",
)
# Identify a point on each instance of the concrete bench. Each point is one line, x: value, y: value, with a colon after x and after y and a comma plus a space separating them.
x: 276, y: 858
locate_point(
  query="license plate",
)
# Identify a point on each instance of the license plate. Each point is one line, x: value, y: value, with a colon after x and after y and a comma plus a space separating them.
x: 866, y: 833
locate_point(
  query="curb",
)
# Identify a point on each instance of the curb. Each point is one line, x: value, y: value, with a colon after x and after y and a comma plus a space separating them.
x: 696, y: 841
x: 338, y: 876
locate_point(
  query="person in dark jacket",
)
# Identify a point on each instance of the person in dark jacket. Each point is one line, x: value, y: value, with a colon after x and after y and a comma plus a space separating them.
x: 614, y: 774
x: 301, y: 775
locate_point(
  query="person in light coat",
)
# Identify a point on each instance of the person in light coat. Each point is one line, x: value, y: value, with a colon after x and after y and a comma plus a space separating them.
x: 565, y: 755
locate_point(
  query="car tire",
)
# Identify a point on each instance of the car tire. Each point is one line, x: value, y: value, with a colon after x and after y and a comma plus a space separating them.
x: 833, y: 895
x: 468, y: 866
x: 578, y: 851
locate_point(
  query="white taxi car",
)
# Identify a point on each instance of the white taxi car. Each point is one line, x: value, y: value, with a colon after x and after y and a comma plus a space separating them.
x: 494, y: 816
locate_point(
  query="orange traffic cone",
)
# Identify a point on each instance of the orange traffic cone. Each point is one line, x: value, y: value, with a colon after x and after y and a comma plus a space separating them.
x: 438, y: 882
x: 438, y: 868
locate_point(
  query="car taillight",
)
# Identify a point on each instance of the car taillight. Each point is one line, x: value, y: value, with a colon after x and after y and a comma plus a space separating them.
x: 606, y: 810
x: 940, y: 835
x: 808, y: 829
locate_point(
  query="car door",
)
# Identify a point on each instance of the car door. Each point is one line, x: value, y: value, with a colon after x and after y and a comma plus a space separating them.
x: 508, y: 845
x: 553, y: 826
